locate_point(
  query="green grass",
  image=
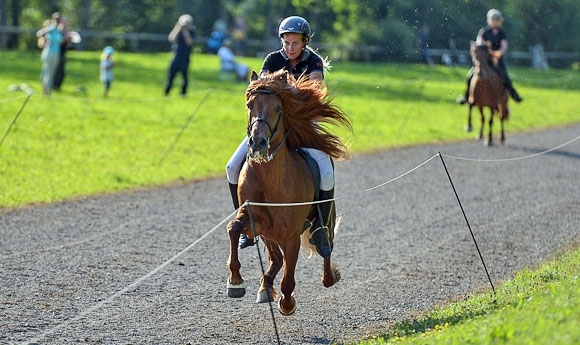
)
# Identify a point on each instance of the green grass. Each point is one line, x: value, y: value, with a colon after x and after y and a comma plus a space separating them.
x: 77, y: 143
x: 536, y: 307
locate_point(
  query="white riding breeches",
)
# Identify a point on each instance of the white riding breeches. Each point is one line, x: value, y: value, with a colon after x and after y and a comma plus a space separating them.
x: 234, y: 165
x: 236, y: 162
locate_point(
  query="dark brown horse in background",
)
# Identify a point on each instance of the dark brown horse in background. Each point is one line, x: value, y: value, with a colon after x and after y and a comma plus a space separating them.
x: 487, y: 89
x: 284, y: 114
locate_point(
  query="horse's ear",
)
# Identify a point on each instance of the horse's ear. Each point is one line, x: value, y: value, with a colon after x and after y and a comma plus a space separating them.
x: 254, y: 76
x: 284, y: 76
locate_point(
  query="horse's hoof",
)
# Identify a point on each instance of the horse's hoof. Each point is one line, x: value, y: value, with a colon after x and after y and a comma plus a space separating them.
x: 331, y: 278
x: 287, y: 312
x: 266, y: 296
x: 468, y: 128
x: 236, y: 291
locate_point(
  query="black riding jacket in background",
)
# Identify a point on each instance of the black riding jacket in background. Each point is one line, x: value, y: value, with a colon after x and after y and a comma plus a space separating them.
x: 487, y: 35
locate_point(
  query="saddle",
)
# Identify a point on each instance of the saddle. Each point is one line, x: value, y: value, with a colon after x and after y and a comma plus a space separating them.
x: 314, y: 170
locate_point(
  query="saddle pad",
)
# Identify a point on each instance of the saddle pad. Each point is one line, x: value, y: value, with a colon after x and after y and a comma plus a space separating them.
x: 313, y: 167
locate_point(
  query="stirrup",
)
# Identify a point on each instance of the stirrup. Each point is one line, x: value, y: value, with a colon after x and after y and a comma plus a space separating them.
x: 320, y: 238
x: 245, y: 241
x: 316, y: 230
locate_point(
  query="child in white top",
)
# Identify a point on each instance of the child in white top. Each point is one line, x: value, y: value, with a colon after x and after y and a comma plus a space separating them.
x: 107, y: 65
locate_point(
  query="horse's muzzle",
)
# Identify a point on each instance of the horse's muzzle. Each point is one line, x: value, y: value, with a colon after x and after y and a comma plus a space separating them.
x: 258, y: 148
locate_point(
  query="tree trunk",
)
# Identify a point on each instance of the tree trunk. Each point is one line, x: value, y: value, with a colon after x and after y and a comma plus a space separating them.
x: 3, y: 22
x: 85, y: 18
x: 15, y: 14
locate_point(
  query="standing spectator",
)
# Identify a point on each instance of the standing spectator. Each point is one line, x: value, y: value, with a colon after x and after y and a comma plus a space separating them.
x: 182, y: 37
x: 65, y: 44
x: 50, y: 52
x: 107, y: 65
x: 423, y: 45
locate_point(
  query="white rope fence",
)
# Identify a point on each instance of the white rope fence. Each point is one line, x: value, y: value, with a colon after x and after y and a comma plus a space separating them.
x: 515, y: 158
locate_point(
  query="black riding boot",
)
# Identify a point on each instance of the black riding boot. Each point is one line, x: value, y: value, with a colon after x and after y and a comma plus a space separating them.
x: 513, y: 93
x: 516, y: 97
x: 234, y: 193
x: 245, y: 241
x: 509, y: 86
x: 319, y: 230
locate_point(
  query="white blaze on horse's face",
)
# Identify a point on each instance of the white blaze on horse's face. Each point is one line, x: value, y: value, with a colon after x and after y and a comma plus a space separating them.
x: 264, y: 116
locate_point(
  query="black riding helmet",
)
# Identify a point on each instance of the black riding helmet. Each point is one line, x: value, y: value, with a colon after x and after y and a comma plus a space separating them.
x: 296, y: 25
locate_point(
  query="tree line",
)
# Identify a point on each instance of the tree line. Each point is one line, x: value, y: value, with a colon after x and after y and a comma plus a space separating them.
x: 389, y: 25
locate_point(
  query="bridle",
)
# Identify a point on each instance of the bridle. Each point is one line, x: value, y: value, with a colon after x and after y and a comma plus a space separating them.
x: 274, y: 130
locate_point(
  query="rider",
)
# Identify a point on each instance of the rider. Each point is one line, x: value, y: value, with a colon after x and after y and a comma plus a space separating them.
x: 494, y: 35
x: 298, y: 58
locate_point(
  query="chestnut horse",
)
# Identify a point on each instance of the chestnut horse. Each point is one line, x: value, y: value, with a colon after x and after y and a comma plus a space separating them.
x: 487, y: 89
x: 284, y: 114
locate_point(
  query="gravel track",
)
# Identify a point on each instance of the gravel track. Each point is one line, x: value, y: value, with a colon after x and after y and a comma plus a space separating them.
x: 98, y: 270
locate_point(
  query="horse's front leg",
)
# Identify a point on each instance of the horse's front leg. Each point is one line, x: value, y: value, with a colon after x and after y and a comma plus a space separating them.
x: 489, y: 136
x: 287, y: 303
x: 236, y: 285
x: 482, y: 119
x: 267, y: 292
x: 502, y: 134
x: 469, y: 127
x: 331, y: 274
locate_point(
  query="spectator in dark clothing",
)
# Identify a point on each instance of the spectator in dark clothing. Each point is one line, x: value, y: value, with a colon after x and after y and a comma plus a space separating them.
x: 65, y: 44
x: 182, y: 37
x: 423, y: 46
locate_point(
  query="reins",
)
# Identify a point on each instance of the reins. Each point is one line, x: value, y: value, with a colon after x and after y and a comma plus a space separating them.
x: 483, y: 65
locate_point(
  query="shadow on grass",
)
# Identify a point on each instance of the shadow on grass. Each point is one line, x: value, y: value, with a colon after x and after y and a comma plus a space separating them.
x: 431, y: 322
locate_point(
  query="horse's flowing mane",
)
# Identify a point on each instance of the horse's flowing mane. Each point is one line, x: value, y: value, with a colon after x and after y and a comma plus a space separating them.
x: 306, y: 112
x: 480, y: 52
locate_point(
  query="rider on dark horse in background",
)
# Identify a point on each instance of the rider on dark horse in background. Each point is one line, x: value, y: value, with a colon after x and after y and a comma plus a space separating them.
x: 299, y: 59
x: 496, y: 37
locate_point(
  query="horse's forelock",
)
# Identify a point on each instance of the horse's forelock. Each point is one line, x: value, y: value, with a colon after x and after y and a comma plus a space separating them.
x: 480, y: 54
x: 277, y: 82
x: 305, y: 104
